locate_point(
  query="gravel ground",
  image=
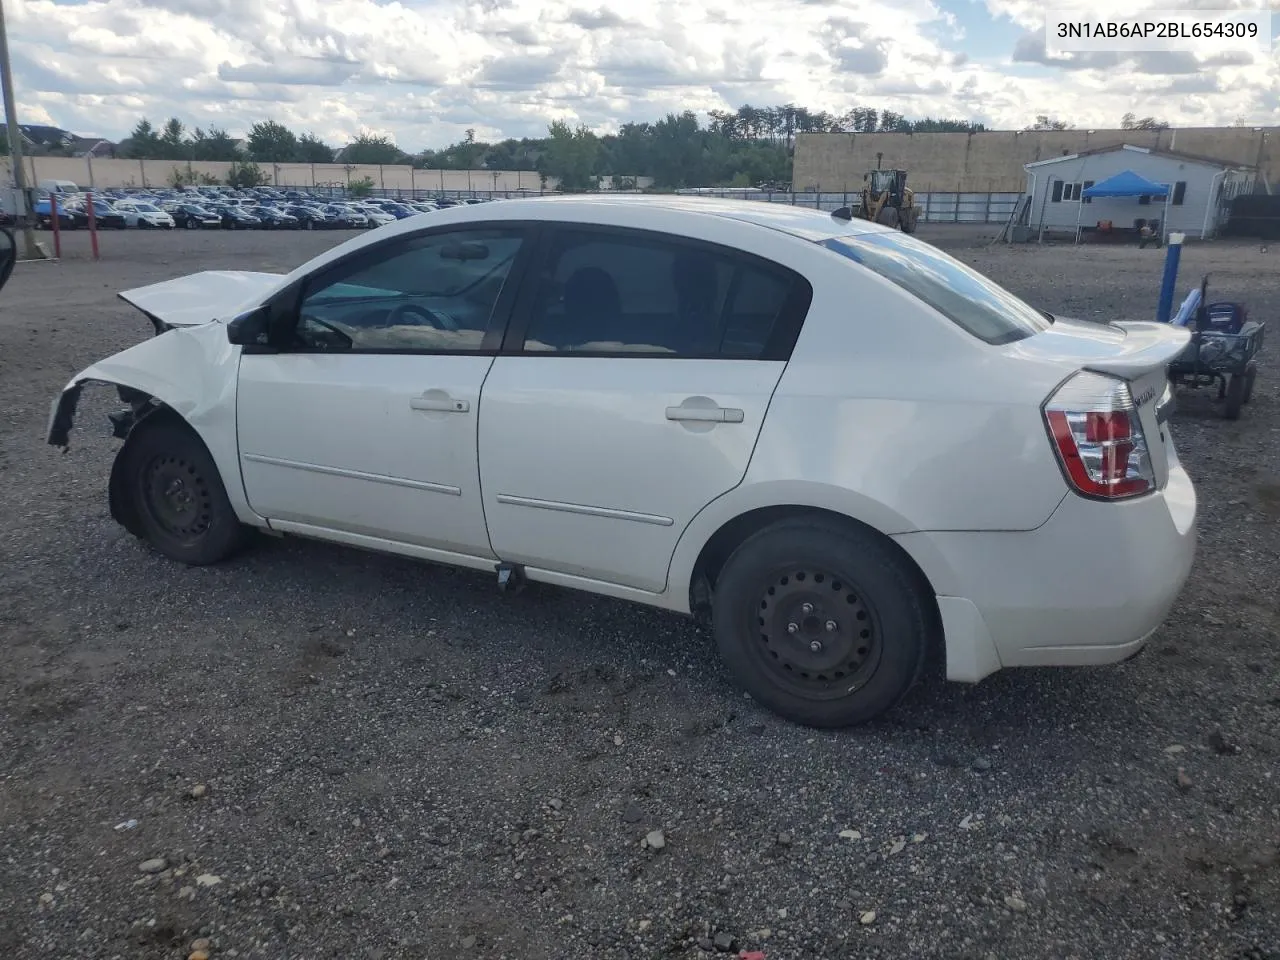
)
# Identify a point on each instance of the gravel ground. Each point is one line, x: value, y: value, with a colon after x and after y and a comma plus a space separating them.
x: 333, y: 754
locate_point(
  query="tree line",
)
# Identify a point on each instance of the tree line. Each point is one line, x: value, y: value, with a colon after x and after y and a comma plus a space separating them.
x: 745, y: 147
x: 750, y: 146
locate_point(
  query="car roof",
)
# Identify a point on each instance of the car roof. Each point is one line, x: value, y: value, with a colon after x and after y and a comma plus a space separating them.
x: 804, y: 222
x: 678, y: 215
x: 675, y: 213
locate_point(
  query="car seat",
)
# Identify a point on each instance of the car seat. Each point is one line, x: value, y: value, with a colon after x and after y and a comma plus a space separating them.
x: 592, y: 308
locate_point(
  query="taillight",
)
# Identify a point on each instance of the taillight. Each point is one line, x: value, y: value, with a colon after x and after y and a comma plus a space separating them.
x: 1098, y: 437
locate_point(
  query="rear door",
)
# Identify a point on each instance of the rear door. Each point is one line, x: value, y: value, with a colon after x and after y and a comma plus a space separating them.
x: 629, y: 394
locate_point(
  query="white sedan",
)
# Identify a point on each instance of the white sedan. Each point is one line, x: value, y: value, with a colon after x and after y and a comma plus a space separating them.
x: 847, y: 450
x: 139, y: 213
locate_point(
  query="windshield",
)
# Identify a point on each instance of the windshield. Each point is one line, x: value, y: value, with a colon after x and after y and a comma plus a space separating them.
x: 145, y: 208
x: 958, y: 292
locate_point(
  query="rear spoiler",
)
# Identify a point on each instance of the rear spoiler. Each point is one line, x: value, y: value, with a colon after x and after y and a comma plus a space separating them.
x: 1147, y: 346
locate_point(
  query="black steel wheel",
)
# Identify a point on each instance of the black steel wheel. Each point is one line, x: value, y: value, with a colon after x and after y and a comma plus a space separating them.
x: 825, y: 622
x: 818, y: 635
x: 176, y: 497
x: 173, y: 495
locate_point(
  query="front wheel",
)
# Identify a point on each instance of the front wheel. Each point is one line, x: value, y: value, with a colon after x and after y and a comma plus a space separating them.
x: 826, y: 625
x: 176, y: 494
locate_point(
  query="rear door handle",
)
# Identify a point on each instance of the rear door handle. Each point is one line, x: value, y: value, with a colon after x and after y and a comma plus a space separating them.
x: 706, y: 414
x: 440, y: 404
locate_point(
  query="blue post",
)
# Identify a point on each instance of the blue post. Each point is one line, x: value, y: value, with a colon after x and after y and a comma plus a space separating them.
x: 1165, y: 308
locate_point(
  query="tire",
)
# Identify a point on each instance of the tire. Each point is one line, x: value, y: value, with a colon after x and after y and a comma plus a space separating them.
x: 1250, y: 375
x: 781, y: 592
x: 1235, y: 396
x: 191, y: 224
x: 174, y: 491
x: 888, y: 216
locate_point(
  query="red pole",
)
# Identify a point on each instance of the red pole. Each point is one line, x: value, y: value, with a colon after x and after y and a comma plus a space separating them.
x: 93, y: 227
x: 53, y: 219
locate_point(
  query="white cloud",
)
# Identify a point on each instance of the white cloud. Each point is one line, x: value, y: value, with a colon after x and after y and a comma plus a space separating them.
x: 425, y: 70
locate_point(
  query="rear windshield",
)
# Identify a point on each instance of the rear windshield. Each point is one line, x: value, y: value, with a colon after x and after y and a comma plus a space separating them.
x: 958, y: 292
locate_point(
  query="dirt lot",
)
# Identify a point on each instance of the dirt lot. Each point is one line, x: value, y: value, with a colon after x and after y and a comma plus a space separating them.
x: 344, y: 755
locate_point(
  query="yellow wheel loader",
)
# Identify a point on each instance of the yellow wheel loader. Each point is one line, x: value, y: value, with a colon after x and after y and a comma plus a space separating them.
x: 886, y: 200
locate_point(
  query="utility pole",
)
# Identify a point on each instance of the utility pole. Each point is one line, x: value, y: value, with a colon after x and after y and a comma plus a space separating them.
x: 15, y: 144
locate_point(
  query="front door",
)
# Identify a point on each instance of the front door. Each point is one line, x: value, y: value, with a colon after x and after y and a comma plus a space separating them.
x: 632, y: 387
x: 365, y: 423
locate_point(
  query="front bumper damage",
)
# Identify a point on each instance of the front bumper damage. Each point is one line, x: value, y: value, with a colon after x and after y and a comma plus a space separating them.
x: 62, y: 414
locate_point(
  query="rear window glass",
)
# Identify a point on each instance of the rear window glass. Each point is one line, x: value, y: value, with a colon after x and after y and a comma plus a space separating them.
x: 958, y: 292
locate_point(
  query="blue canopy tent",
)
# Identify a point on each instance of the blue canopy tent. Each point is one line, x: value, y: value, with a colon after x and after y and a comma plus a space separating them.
x: 1126, y: 183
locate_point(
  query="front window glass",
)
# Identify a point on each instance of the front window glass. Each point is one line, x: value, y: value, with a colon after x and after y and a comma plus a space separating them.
x: 429, y: 293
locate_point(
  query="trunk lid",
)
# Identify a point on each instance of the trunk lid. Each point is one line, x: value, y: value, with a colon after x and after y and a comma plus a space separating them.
x: 1138, y: 352
x: 201, y: 297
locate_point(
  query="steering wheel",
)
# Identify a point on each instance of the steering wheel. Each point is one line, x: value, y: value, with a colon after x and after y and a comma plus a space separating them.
x: 340, y: 337
x: 418, y: 315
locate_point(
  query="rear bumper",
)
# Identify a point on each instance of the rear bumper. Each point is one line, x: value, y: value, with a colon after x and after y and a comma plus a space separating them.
x: 1088, y: 587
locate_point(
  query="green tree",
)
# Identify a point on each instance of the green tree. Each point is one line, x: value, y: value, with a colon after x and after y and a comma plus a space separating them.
x: 272, y: 142
x: 891, y: 122
x: 311, y: 149
x: 173, y: 143
x: 571, y: 156
x: 214, y: 145
x: 243, y: 175
x: 1046, y: 122
x: 183, y: 176
x: 371, y: 149
x: 360, y: 187
x: 143, y: 143
x: 1131, y: 122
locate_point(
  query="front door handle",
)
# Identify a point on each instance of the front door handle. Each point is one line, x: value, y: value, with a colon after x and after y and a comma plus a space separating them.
x: 444, y: 404
x: 706, y: 414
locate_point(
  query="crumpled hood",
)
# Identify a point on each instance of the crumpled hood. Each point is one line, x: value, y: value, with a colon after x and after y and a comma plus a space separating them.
x: 201, y: 297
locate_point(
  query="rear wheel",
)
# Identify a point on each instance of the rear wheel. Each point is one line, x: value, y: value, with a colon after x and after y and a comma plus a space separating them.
x: 825, y: 625
x: 177, y: 496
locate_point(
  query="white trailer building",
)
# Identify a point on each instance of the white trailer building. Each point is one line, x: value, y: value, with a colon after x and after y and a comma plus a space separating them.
x: 1197, y: 187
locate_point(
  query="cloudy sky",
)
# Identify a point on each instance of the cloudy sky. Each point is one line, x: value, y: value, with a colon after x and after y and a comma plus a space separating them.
x: 423, y: 71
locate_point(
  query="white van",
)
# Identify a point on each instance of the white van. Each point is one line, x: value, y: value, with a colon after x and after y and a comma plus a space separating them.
x: 60, y: 187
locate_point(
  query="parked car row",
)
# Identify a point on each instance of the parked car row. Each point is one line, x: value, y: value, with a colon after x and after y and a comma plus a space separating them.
x: 222, y: 208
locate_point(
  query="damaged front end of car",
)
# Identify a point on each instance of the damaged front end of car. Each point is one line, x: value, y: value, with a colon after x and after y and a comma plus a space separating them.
x: 186, y: 369
x: 185, y: 374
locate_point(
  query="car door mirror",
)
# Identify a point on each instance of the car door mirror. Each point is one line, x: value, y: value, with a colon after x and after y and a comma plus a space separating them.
x: 250, y: 329
x: 8, y: 254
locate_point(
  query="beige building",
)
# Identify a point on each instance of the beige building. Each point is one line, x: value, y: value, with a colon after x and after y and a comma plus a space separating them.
x: 995, y: 161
